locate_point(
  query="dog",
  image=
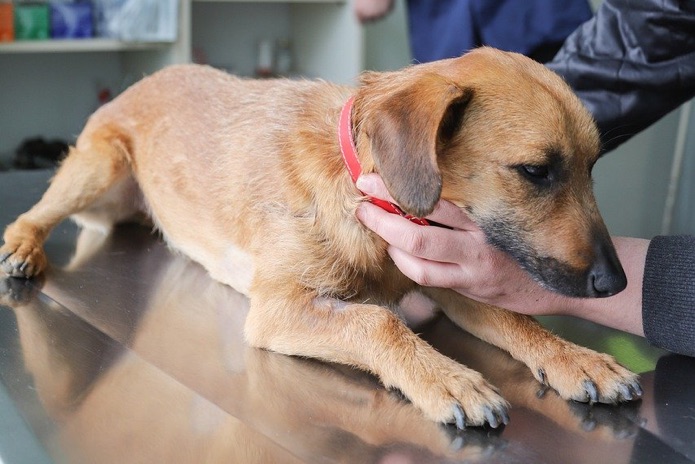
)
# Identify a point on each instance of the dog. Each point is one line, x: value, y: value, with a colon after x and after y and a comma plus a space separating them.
x: 246, y: 177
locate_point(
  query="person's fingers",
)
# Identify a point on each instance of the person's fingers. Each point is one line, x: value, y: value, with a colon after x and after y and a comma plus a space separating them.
x: 373, y: 185
x: 448, y: 214
x: 445, y: 213
x: 431, y: 243
x: 428, y: 273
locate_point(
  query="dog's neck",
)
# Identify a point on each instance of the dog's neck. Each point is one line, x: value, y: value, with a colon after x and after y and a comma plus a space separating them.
x: 349, y: 152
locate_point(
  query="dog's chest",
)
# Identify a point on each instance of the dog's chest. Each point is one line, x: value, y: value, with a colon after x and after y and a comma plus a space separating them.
x: 236, y: 269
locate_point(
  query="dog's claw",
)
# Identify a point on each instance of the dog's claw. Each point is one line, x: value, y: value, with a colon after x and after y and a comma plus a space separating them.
x: 630, y: 391
x: 496, y: 417
x: 505, y: 416
x: 625, y: 393
x: 460, y: 417
x: 4, y: 256
x: 636, y: 388
x: 491, y: 418
x: 542, y: 377
x: 542, y: 391
x: 591, y: 391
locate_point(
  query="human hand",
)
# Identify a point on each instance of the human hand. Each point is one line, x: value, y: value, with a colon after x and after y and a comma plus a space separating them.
x: 372, y: 10
x: 458, y: 258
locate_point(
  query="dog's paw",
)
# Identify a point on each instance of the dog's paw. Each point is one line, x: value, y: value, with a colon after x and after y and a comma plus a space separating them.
x: 584, y: 375
x: 455, y: 394
x: 22, y: 258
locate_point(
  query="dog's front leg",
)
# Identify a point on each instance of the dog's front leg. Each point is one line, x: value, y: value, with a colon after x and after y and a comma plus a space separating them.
x: 575, y: 372
x: 371, y: 337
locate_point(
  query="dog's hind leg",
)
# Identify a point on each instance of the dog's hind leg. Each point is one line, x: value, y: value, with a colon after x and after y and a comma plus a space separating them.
x: 98, y: 163
x: 295, y: 322
x: 575, y: 372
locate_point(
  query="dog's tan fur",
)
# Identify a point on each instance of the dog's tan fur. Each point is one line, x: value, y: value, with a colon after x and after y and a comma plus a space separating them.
x: 246, y: 178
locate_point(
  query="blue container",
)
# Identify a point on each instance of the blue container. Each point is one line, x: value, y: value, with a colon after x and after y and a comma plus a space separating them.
x: 72, y: 20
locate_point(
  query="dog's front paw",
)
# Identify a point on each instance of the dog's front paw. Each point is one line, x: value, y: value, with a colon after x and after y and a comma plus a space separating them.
x: 22, y: 257
x: 22, y: 262
x: 454, y: 394
x: 581, y: 374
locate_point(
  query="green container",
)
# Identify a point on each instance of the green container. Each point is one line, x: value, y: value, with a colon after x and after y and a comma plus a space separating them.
x: 31, y: 22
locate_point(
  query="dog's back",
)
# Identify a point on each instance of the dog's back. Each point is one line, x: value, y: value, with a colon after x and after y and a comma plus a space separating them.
x: 231, y: 168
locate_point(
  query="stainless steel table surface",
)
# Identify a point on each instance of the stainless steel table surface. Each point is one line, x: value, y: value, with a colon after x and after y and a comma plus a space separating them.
x: 125, y: 352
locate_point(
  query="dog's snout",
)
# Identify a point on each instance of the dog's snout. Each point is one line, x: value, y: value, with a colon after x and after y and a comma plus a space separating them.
x: 606, y: 277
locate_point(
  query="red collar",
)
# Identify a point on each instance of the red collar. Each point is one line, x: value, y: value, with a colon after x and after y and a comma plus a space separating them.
x: 349, y: 152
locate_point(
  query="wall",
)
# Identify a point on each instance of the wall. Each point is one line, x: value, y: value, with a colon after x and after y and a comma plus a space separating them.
x: 631, y: 182
x: 683, y: 220
x: 387, y: 46
x: 28, y: 107
x: 227, y: 34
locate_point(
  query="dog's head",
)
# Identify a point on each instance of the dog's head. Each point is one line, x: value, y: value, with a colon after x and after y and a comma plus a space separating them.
x: 506, y: 139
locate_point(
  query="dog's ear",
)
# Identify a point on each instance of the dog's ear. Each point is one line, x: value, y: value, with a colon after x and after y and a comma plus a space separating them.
x: 405, y: 131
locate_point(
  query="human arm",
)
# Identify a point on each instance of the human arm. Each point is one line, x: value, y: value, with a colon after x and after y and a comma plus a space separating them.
x: 631, y: 64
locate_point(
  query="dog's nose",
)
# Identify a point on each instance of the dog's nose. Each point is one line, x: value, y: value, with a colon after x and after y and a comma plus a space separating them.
x: 606, y: 277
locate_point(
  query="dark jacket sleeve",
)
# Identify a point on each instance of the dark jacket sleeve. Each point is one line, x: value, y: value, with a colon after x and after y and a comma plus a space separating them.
x: 668, y: 294
x: 631, y: 64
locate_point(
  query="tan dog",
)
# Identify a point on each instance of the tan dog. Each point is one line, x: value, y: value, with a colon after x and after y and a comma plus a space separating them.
x: 246, y: 177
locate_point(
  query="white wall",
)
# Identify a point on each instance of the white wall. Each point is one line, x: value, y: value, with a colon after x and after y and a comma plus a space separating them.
x: 387, y: 47
x: 29, y: 107
x: 228, y: 33
x: 631, y: 182
x: 683, y: 218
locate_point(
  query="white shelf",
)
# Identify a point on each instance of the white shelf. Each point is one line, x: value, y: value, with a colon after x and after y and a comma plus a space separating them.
x: 77, y: 45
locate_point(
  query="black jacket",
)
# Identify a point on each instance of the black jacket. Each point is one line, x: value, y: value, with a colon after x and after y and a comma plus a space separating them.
x: 668, y: 294
x: 631, y: 64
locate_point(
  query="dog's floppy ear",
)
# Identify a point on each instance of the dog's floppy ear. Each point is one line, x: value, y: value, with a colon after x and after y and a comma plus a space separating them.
x: 405, y: 130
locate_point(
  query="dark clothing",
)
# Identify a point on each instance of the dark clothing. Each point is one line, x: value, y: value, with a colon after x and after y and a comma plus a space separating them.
x: 668, y: 300
x: 631, y: 64
x: 447, y: 28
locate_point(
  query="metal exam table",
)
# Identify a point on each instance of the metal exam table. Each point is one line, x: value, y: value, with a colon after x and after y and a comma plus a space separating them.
x: 128, y: 353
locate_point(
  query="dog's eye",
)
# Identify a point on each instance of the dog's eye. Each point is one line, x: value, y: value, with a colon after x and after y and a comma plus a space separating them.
x: 538, y: 174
